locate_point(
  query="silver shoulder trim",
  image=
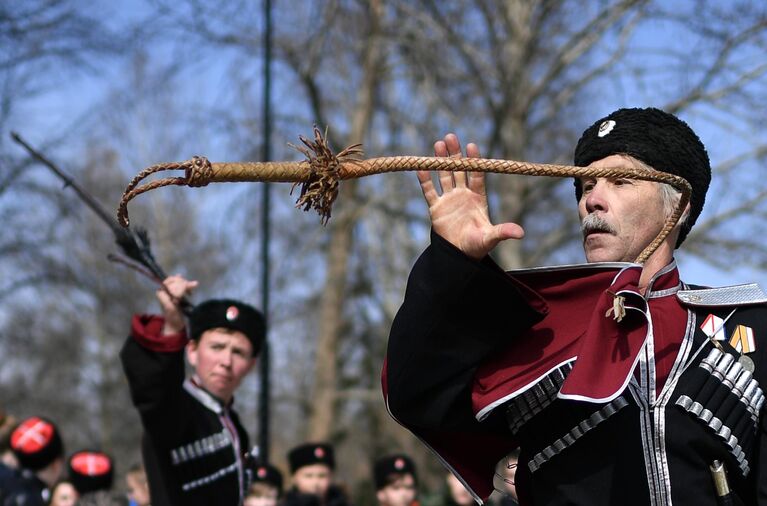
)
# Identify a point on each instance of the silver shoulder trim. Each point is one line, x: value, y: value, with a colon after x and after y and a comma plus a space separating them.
x: 586, y: 266
x: 750, y: 293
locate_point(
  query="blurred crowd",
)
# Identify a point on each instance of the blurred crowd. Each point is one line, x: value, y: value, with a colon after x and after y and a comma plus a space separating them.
x: 35, y: 470
x: 195, y: 451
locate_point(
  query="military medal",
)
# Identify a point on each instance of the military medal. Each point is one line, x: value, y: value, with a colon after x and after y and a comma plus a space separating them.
x: 742, y: 340
x: 713, y: 327
x: 746, y: 362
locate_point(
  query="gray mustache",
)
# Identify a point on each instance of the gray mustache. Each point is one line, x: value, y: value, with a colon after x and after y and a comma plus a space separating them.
x: 595, y: 223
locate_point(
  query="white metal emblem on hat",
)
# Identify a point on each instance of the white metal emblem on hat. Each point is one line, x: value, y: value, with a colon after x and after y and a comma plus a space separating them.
x: 606, y: 127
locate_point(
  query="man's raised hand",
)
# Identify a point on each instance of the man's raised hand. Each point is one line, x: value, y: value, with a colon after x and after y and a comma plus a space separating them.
x: 460, y: 213
x: 176, y: 287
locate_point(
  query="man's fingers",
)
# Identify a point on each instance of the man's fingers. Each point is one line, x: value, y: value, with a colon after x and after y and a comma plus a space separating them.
x: 448, y: 146
x: 177, y: 286
x: 453, y: 145
x: 427, y: 187
x: 504, y: 231
x: 440, y: 148
x: 475, y: 180
x: 451, y: 179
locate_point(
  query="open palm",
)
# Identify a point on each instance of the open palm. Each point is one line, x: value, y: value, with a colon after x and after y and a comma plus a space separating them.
x: 460, y: 214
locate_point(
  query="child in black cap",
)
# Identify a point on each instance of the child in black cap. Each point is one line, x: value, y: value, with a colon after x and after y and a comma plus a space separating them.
x: 90, y: 470
x: 312, y: 465
x: 265, y: 487
x: 37, y: 446
x: 396, y: 481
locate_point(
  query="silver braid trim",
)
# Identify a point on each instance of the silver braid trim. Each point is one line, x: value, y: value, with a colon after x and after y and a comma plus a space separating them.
x: 525, y: 406
x: 576, y: 433
x: 725, y: 371
x: 721, y: 430
x: 210, y: 478
x: 200, y: 448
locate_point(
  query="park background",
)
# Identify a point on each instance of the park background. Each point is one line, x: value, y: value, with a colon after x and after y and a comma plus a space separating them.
x: 106, y: 88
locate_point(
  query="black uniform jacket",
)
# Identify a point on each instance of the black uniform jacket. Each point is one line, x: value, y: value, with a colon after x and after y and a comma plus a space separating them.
x: 20, y: 487
x: 334, y: 496
x: 193, y: 445
x: 476, y: 363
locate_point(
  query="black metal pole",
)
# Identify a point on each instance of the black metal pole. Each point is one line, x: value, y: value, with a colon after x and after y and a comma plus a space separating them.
x: 264, y: 408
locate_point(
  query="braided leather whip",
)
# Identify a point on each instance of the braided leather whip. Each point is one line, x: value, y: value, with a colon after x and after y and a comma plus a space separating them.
x: 320, y: 173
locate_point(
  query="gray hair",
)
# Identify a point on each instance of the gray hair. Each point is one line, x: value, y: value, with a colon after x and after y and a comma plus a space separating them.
x: 669, y: 195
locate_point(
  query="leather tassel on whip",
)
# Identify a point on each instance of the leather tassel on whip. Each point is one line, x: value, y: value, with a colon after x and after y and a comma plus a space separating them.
x: 320, y: 174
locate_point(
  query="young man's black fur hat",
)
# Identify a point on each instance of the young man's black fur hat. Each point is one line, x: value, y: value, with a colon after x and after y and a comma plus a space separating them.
x: 230, y: 314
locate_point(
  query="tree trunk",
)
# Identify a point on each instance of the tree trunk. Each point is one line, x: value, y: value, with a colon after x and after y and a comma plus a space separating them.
x: 323, y: 414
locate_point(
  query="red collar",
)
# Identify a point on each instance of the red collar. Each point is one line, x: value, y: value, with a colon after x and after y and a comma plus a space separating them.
x: 576, y: 327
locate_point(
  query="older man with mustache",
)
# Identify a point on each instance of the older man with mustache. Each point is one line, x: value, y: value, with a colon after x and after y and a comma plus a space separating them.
x: 618, y: 383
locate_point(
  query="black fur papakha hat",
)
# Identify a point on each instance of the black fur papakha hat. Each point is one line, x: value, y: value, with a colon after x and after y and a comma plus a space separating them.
x: 657, y: 138
x: 90, y: 471
x: 311, y: 453
x: 36, y: 442
x: 229, y: 314
x: 267, y: 473
x: 385, y: 467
